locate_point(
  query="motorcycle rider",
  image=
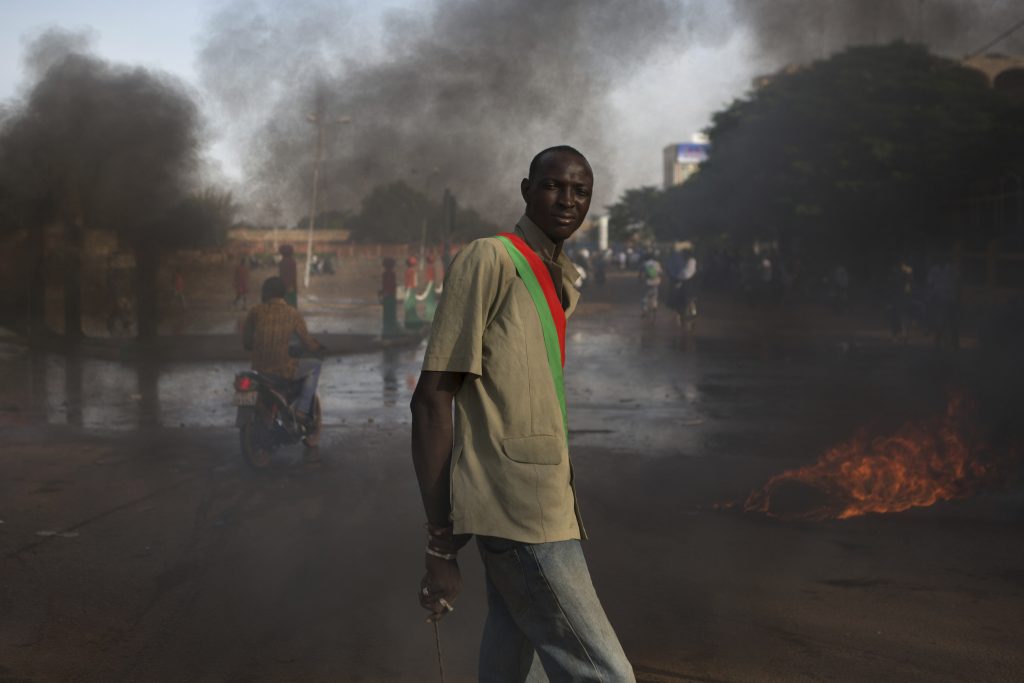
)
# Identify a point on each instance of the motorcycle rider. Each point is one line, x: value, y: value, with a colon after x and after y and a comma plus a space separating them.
x: 270, y: 329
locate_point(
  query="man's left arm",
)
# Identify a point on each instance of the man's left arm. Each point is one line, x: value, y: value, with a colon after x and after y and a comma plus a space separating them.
x: 304, y: 336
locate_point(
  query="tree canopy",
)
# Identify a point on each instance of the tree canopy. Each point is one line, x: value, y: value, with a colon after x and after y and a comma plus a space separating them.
x: 868, y: 151
x: 395, y: 213
x: 635, y: 215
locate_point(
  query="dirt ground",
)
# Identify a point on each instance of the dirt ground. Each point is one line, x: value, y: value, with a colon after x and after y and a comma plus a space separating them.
x: 135, y: 546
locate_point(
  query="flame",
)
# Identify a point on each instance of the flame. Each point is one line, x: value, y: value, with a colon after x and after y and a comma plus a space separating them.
x: 919, y: 465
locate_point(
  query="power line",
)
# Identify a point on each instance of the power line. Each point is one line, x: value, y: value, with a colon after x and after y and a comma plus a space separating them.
x: 1001, y: 37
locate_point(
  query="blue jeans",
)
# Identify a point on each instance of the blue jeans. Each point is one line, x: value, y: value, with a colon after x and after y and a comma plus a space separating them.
x: 544, y: 617
x: 309, y: 370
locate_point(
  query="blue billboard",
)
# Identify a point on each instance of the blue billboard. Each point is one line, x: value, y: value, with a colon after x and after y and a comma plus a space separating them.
x: 691, y: 152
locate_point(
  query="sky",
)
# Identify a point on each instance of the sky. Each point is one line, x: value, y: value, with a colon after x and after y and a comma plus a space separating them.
x: 646, y: 113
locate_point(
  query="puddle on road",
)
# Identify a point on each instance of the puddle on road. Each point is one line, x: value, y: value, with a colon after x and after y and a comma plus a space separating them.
x: 622, y: 393
x: 108, y: 395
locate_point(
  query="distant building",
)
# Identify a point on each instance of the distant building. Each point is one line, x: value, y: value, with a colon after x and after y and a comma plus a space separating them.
x: 681, y: 159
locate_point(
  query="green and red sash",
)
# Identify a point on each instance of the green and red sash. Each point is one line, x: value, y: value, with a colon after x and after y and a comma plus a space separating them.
x: 537, y: 279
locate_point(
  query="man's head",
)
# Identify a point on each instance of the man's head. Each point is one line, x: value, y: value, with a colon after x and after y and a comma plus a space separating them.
x: 273, y: 288
x: 558, y: 191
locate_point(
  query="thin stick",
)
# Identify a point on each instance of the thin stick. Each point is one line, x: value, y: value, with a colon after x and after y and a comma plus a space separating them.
x: 437, y: 641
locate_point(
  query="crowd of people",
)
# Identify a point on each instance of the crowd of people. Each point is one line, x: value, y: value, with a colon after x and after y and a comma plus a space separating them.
x: 921, y: 294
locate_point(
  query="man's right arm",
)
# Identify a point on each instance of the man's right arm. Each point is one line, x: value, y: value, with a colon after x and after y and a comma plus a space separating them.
x: 432, y: 440
x: 432, y: 455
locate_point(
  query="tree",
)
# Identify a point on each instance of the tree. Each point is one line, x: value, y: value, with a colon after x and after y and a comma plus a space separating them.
x: 395, y: 213
x: 332, y: 219
x: 860, y: 154
x: 635, y: 214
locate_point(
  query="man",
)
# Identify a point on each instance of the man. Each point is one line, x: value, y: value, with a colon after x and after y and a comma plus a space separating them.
x: 288, y: 270
x: 269, y: 330
x: 242, y: 281
x: 652, y: 281
x: 501, y: 470
x: 683, y: 270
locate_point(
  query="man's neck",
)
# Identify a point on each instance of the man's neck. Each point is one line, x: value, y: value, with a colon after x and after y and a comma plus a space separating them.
x: 538, y: 240
x: 557, y: 251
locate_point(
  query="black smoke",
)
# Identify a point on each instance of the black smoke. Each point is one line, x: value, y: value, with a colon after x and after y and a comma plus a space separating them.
x: 460, y: 96
x: 795, y: 31
x: 100, y: 144
x: 97, y: 145
x: 463, y: 92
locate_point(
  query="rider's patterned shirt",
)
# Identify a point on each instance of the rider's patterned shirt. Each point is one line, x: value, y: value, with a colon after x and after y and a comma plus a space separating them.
x: 268, y: 329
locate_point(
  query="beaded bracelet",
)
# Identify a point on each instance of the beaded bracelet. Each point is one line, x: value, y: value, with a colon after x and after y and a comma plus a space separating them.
x: 443, y: 556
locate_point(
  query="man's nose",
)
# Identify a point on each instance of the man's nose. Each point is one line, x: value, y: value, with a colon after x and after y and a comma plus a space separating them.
x: 566, y: 197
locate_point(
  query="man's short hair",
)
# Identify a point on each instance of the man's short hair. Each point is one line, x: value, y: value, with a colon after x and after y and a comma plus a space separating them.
x: 273, y: 288
x: 535, y: 163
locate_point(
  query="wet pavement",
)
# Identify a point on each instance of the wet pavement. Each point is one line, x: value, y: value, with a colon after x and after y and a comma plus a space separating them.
x: 163, y: 559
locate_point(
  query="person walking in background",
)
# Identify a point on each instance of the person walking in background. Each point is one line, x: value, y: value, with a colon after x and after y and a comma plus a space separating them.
x: 288, y: 271
x: 242, y: 282
x: 389, y: 298
x: 901, y: 300
x: 430, y: 289
x: 683, y: 300
x: 412, y: 318
x: 651, y: 272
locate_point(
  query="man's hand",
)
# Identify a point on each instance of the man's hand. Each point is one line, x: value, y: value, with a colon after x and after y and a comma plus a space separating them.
x: 439, y: 588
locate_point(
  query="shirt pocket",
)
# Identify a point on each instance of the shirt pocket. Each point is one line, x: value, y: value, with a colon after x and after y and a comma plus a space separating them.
x: 541, y: 449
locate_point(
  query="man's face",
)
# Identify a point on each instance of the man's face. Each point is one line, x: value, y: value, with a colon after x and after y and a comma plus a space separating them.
x: 558, y: 197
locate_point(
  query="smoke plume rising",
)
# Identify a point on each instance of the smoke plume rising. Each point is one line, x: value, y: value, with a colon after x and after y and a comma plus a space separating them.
x: 94, y: 143
x: 462, y: 96
x: 462, y: 93
x: 803, y: 30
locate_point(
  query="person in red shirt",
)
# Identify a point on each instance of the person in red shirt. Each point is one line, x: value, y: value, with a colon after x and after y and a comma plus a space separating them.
x: 241, y: 281
x: 287, y: 270
x: 412, y: 318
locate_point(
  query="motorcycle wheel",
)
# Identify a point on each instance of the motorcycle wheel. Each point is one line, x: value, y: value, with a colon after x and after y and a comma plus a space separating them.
x: 253, y: 438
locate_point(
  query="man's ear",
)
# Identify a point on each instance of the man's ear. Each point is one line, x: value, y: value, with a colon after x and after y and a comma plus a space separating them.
x: 524, y: 189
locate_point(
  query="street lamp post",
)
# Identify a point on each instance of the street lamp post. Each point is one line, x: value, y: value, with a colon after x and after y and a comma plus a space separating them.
x: 318, y: 119
x: 423, y: 229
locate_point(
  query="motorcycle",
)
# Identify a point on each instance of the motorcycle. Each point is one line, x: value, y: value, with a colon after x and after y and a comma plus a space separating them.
x: 267, y: 418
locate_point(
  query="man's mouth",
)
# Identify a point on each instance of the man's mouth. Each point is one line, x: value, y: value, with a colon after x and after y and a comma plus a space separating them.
x: 565, y: 219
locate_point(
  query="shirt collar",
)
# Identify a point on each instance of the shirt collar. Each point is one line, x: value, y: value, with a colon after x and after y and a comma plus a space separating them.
x: 545, y: 247
x: 535, y: 237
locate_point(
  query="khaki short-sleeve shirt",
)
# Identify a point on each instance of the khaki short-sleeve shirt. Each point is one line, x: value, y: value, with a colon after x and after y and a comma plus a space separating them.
x: 510, y: 470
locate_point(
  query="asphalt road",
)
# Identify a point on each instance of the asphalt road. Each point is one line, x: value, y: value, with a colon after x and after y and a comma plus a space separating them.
x: 135, y: 546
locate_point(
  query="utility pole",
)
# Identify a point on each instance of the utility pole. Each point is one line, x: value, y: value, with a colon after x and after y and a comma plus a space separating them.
x: 448, y: 229
x: 423, y: 229
x: 318, y: 119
